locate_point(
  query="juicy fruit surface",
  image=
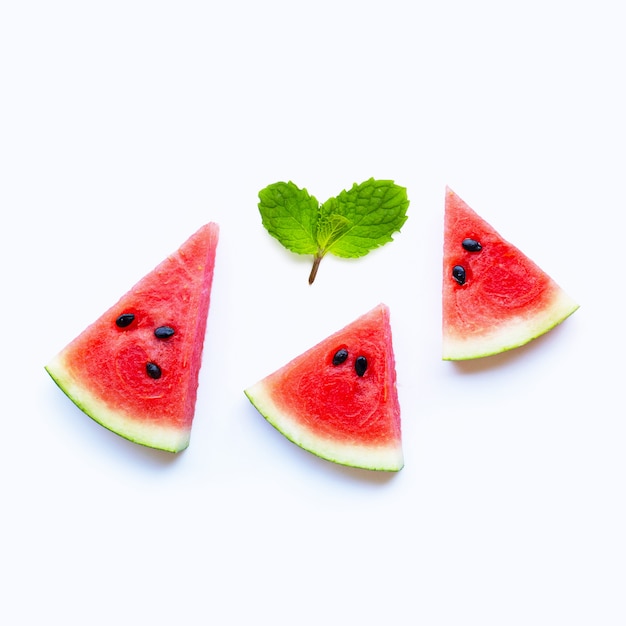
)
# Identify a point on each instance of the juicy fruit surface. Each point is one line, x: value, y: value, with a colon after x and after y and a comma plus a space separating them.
x: 348, y: 411
x: 105, y: 369
x: 501, y: 299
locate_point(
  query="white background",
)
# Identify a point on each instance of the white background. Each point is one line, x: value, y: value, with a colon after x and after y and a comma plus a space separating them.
x: 126, y: 125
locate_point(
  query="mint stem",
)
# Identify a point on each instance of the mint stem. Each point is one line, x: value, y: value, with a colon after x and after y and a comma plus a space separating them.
x: 316, y: 263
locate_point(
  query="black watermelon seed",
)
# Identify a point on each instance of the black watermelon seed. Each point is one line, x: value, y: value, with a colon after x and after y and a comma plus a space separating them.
x: 471, y: 245
x: 124, y: 320
x: 458, y: 272
x: 340, y: 356
x: 164, y: 332
x: 153, y: 370
x: 360, y: 365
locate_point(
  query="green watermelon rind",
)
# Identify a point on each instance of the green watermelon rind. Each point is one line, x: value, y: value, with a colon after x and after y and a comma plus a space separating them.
x: 381, y: 458
x: 512, y: 333
x: 149, y: 434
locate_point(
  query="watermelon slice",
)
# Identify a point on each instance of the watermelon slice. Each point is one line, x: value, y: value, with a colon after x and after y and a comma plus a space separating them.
x: 338, y: 400
x: 135, y: 369
x: 494, y: 297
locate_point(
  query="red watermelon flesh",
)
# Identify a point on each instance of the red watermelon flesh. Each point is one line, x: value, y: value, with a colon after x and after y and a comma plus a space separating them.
x: 135, y: 383
x: 500, y: 299
x: 347, y: 412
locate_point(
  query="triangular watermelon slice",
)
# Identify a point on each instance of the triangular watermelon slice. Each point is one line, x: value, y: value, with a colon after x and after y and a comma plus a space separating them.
x: 338, y: 400
x: 494, y: 297
x: 135, y: 369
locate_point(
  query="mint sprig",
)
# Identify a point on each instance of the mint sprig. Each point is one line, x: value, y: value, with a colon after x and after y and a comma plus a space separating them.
x: 349, y: 225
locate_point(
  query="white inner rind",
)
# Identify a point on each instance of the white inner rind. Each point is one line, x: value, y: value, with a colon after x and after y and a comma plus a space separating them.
x: 151, y: 434
x: 512, y: 333
x: 385, y: 458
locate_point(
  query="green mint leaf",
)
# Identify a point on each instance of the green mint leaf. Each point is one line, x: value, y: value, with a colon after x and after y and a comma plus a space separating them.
x: 330, y: 228
x: 375, y: 210
x: 350, y: 225
x: 290, y: 215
